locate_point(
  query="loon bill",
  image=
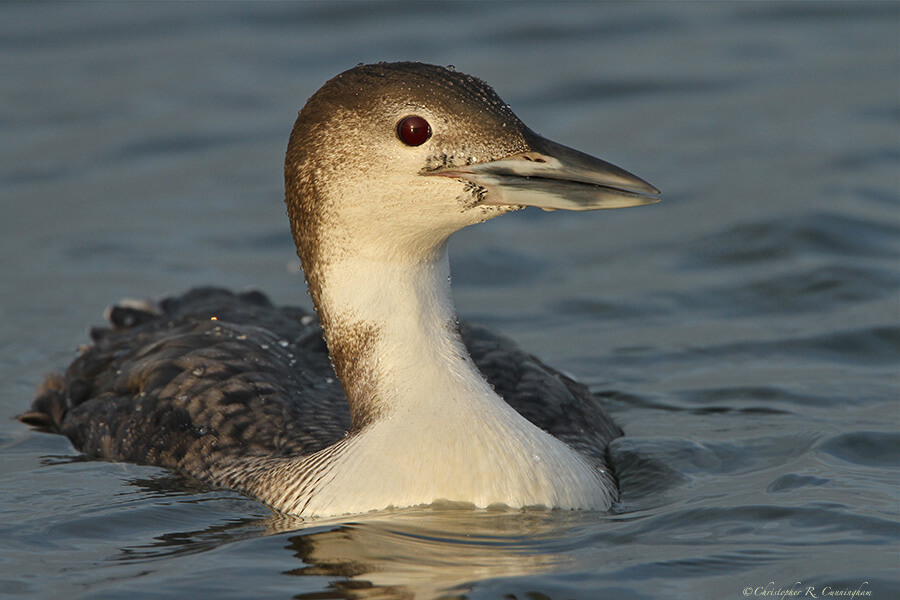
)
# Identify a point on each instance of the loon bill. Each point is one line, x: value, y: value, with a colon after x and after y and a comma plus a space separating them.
x: 384, y: 163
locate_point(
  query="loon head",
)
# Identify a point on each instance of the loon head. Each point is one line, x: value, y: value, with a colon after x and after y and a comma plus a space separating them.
x: 387, y: 160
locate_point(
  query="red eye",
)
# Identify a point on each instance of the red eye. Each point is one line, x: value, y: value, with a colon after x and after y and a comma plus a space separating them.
x: 413, y: 131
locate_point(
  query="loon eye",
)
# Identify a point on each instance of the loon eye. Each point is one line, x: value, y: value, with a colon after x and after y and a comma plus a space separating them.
x: 413, y: 131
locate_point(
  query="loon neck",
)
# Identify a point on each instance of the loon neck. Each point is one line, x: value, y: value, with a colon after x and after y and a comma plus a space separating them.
x: 426, y: 424
x: 393, y: 336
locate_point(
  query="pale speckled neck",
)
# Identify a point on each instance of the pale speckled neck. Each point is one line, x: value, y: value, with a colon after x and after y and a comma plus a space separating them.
x: 392, y: 326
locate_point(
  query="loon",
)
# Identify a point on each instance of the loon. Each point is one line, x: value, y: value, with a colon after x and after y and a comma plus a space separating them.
x: 384, y: 163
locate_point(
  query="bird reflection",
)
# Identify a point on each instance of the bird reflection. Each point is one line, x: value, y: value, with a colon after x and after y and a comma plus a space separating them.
x: 439, y: 551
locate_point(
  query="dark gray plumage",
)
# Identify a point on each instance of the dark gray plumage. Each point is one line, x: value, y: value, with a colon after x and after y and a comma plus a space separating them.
x: 172, y: 387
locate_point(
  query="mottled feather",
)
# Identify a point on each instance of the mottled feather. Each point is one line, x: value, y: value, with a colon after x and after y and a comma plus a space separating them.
x: 209, y: 378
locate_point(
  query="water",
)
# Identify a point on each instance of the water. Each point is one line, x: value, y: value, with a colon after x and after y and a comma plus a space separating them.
x: 744, y: 332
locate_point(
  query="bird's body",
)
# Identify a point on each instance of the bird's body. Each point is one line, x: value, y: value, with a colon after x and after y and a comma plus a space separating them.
x: 385, y: 162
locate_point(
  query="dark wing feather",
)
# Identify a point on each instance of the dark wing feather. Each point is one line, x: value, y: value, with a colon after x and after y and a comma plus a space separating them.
x: 213, y: 375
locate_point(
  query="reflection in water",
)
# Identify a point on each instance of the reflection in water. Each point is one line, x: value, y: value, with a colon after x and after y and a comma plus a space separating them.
x: 430, y: 552
x: 439, y: 551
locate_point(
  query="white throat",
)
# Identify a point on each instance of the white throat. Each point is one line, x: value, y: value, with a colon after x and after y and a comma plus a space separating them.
x: 435, y: 429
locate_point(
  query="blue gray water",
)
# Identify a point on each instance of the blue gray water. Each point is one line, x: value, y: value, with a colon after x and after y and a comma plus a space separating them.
x: 744, y: 331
